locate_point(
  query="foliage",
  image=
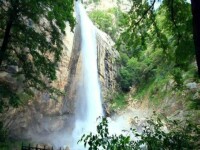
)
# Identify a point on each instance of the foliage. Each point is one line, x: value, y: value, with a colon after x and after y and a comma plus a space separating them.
x: 155, y: 42
x: 178, y: 76
x: 12, y: 144
x: 3, y: 133
x: 32, y: 34
x: 102, y: 19
x: 139, y: 71
x: 14, y: 99
x: 94, y: 1
x: 108, y: 20
x: 178, y: 31
x: 195, y: 104
x: 125, y: 79
x: 179, y: 135
x: 118, y: 101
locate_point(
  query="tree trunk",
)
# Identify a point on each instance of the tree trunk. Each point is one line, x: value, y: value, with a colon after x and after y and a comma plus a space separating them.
x: 6, y: 39
x: 12, y: 16
x: 196, y: 30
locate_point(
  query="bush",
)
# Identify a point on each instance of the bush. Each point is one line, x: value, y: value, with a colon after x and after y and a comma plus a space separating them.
x: 125, y: 79
x: 108, y: 21
x: 102, y: 19
x: 177, y: 75
x: 3, y: 133
x: 135, y: 72
x: 179, y: 136
x: 118, y: 101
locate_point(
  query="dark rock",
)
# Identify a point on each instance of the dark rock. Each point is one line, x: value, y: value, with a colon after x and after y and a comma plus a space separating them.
x: 12, y: 69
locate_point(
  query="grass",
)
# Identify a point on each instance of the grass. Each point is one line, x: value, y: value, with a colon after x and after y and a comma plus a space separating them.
x: 143, y: 90
x: 156, y: 90
x: 119, y: 101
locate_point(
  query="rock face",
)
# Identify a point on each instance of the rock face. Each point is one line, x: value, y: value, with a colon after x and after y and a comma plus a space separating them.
x: 43, y: 116
x: 107, y: 67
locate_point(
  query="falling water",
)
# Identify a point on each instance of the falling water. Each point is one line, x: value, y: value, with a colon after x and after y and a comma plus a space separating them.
x: 90, y: 72
x: 90, y: 106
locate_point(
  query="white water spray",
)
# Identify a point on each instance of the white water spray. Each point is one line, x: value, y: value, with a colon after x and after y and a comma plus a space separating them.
x: 90, y: 106
x: 90, y: 72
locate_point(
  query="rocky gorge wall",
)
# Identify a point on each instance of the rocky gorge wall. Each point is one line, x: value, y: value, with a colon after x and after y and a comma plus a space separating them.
x: 40, y: 110
x: 43, y: 116
x: 106, y: 60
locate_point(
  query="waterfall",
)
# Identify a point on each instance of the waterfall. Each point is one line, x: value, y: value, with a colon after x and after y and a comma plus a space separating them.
x: 91, y: 86
x: 89, y: 106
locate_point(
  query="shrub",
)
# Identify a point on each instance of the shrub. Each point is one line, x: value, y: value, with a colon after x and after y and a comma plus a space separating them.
x: 102, y: 19
x: 179, y: 136
x: 3, y: 133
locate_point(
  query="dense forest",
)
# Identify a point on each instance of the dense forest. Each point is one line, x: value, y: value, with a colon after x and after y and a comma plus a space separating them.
x: 159, y: 50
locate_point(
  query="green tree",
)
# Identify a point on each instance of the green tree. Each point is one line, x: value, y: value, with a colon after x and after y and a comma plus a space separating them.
x: 169, y: 28
x: 31, y: 32
x: 102, y: 19
x: 108, y: 20
x: 146, y: 30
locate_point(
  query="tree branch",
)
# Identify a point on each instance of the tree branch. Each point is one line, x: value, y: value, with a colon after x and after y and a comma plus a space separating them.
x: 6, y: 39
x: 158, y: 33
x: 173, y: 20
x: 145, y: 13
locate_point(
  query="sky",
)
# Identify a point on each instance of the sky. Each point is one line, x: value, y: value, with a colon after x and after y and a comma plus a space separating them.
x: 156, y: 5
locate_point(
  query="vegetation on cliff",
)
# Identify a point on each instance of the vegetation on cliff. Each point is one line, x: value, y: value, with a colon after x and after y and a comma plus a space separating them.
x: 156, y: 46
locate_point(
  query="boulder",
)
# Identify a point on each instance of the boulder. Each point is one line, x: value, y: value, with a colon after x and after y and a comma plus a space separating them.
x: 192, y: 85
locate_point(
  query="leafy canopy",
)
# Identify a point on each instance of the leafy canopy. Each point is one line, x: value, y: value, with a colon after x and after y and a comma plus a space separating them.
x: 108, y: 20
x: 153, y: 42
x: 35, y: 41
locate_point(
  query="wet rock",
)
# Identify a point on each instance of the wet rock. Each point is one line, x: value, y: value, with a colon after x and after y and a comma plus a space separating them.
x: 67, y: 148
x: 106, y: 60
x: 12, y: 69
x: 196, y: 96
x: 192, y: 85
x: 7, y: 79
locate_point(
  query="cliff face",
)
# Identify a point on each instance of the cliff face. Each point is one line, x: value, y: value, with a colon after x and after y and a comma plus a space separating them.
x: 41, y: 113
x: 45, y: 116
x: 107, y: 67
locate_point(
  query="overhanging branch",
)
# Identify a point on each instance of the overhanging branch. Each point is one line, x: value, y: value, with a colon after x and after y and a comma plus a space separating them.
x: 145, y: 13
